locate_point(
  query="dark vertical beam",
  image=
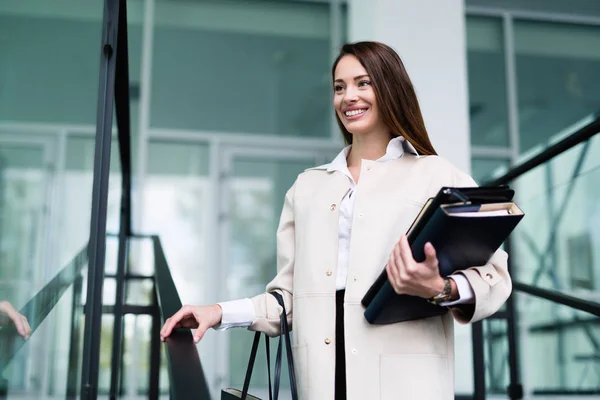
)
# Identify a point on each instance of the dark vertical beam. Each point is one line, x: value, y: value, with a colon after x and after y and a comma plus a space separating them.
x: 478, y: 361
x: 515, y: 388
x: 75, y: 340
x: 155, y: 348
x: 124, y: 132
x: 97, y: 243
x: 122, y: 102
x: 551, y: 266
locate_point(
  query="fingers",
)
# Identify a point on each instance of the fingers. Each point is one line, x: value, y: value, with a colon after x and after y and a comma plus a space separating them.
x: 392, y: 270
x: 199, y: 334
x: 173, y: 322
x: 17, y: 318
x: 22, y: 326
x: 405, y: 251
x: 430, y: 255
x: 27, y: 327
x: 395, y: 270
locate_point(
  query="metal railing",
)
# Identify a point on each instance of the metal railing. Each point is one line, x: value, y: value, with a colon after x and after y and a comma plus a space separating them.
x: 39, y: 306
x: 515, y: 389
x: 186, y: 375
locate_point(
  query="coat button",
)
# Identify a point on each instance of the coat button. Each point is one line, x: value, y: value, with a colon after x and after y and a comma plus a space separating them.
x: 354, y: 351
x: 332, y: 207
x: 329, y: 272
x: 327, y: 341
x: 489, y: 276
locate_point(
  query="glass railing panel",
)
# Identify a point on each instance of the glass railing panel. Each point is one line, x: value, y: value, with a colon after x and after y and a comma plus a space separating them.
x: 556, y: 244
x: 46, y: 364
x: 136, y: 359
x: 496, y: 356
x: 559, y: 348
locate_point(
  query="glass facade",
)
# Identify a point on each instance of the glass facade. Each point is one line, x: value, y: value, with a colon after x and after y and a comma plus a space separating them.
x: 231, y: 103
x: 558, y: 78
x: 555, y: 247
x: 242, y: 67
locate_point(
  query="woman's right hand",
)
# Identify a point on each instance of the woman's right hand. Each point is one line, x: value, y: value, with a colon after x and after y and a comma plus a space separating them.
x: 193, y: 317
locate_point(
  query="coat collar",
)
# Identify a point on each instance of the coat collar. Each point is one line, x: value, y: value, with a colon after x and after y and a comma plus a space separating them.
x: 395, y: 149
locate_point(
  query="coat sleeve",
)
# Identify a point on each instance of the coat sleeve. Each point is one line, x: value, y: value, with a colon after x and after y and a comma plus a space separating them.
x: 267, y: 309
x: 491, y: 282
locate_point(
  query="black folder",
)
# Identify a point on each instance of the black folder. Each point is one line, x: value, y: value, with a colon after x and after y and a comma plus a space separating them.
x: 465, y: 226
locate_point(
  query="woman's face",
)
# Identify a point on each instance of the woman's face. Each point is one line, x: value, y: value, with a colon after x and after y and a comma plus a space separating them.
x: 354, y: 98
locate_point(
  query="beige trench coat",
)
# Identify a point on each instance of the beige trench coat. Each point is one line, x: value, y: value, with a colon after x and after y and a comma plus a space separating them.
x: 411, y: 360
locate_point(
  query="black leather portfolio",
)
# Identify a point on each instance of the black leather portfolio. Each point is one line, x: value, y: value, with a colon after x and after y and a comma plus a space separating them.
x: 465, y: 226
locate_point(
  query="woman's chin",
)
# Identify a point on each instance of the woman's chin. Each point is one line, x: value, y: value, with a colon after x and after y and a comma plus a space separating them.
x: 357, y: 129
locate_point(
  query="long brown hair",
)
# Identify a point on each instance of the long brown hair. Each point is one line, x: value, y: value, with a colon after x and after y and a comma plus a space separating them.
x: 394, y: 92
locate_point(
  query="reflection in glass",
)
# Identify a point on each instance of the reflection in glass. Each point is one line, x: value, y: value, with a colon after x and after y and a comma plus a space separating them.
x: 558, y: 77
x: 485, y: 169
x: 257, y: 188
x: 559, y: 352
x: 487, y: 83
x: 556, y: 245
x: 264, y: 74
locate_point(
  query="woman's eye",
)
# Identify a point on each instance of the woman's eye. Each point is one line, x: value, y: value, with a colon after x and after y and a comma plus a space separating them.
x: 364, y: 83
x: 338, y: 88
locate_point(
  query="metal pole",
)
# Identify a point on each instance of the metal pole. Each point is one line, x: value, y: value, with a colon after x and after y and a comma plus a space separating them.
x: 478, y: 361
x: 515, y: 388
x: 124, y: 132
x: 155, y: 347
x: 74, y: 354
x: 97, y: 243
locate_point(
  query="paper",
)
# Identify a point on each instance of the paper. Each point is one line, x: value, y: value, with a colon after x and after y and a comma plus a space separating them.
x: 494, y: 213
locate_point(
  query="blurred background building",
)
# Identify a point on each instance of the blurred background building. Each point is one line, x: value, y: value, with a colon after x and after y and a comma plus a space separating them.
x: 229, y: 101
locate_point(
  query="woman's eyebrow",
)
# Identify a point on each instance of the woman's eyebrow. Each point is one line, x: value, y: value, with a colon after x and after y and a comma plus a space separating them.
x: 355, y: 78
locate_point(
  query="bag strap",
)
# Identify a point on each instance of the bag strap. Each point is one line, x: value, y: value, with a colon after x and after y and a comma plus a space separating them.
x: 251, y: 365
x: 269, y: 366
x: 285, y: 335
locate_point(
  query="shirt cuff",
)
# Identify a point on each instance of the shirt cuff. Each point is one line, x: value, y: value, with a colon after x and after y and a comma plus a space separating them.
x: 236, y: 314
x: 465, y: 292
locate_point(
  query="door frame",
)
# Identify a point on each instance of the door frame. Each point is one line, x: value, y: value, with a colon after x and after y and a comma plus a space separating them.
x: 227, y: 155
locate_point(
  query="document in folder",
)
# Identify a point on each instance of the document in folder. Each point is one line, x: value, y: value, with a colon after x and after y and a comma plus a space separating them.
x: 465, y: 226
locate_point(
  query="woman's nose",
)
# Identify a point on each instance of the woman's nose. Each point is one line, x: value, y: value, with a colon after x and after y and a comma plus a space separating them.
x: 350, y: 97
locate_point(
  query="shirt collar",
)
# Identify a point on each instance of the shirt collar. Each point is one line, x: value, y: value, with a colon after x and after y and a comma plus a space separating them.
x: 395, y: 149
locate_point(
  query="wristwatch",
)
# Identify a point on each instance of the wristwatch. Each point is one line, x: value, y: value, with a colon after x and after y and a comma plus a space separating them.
x: 444, y: 295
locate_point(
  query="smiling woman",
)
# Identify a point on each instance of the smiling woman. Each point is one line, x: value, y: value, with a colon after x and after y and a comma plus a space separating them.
x: 339, y: 225
x: 371, y: 76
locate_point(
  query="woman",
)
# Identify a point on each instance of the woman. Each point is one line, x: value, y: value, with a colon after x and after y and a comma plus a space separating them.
x: 340, y: 224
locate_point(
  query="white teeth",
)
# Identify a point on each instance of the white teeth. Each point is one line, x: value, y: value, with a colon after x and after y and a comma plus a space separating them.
x: 355, y: 112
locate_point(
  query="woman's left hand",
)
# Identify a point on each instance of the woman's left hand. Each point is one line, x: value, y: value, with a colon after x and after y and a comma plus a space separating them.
x: 410, y: 277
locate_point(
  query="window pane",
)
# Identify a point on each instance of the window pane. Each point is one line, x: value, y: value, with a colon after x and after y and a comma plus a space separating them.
x: 487, y: 83
x: 556, y: 246
x: 558, y: 78
x: 257, y: 188
x: 483, y: 169
x: 232, y: 66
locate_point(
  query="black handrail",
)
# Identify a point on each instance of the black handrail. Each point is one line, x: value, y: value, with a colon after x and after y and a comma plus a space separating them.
x: 186, y: 376
x: 40, y: 305
x: 560, y: 298
x: 581, y: 135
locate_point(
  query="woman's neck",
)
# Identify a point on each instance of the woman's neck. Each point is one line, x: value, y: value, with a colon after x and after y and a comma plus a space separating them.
x: 367, y: 147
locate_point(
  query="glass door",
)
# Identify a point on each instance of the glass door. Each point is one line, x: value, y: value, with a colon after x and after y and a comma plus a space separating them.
x: 26, y: 174
x: 254, y: 184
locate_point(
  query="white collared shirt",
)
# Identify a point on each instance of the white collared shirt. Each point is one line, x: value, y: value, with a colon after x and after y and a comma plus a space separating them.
x: 240, y: 313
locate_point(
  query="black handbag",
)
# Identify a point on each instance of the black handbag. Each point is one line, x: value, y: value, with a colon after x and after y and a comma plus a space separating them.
x: 235, y: 394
